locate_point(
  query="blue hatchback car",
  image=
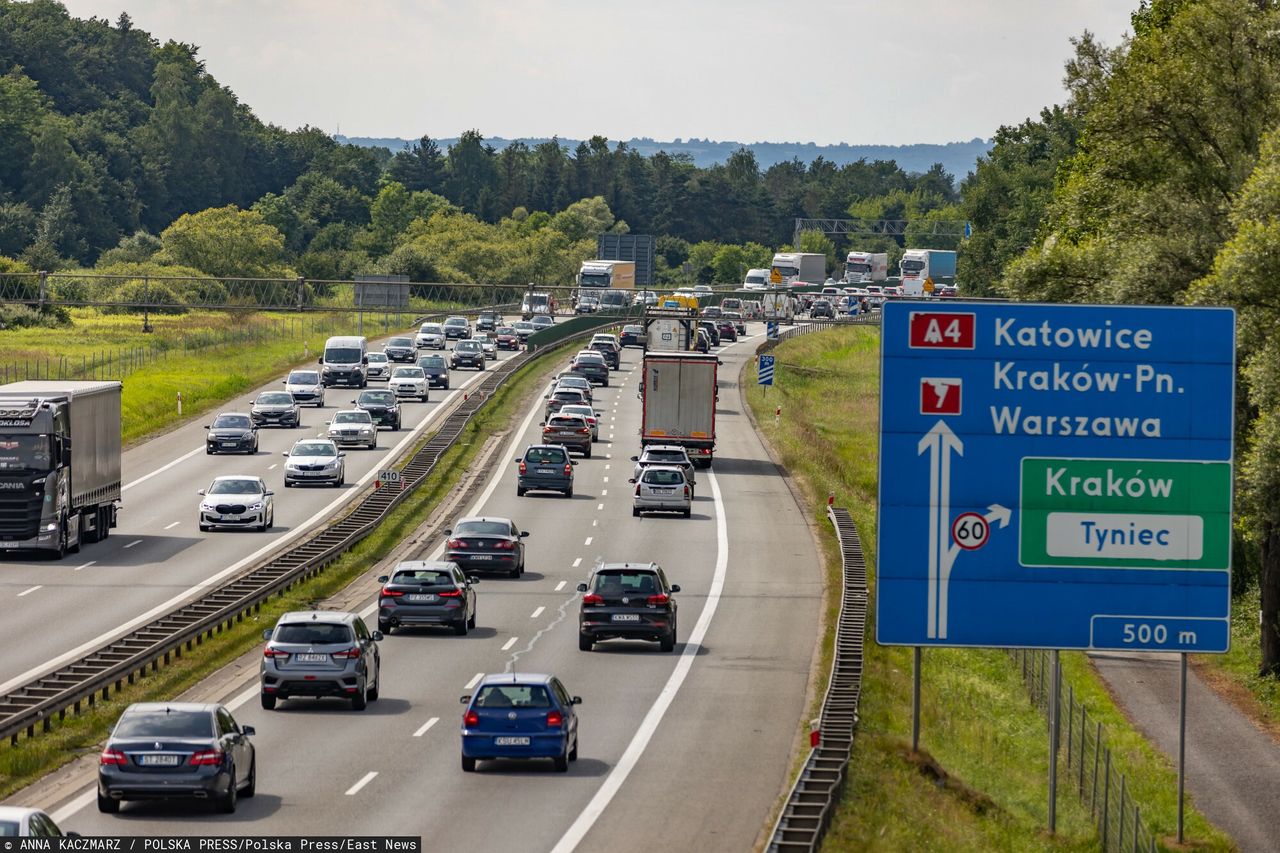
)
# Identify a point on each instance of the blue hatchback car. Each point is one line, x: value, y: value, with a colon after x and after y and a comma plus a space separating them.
x: 520, y: 716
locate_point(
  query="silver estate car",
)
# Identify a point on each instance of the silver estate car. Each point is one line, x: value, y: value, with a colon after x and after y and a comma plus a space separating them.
x: 314, y: 460
x: 664, y: 488
x: 353, y: 426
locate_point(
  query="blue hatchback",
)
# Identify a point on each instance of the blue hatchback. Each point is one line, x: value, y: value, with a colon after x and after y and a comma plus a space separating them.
x: 520, y: 716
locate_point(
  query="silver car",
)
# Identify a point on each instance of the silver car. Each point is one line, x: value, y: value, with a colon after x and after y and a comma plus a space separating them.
x: 664, y: 488
x: 306, y: 387
x: 314, y: 460
x: 379, y: 366
x: 430, y: 336
x: 237, y: 500
x: 666, y: 454
x: 487, y: 344
x: 353, y: 426
x: 320, y: 653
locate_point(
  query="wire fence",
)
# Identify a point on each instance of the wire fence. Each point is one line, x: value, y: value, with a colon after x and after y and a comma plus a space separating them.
x: 1085, y: 764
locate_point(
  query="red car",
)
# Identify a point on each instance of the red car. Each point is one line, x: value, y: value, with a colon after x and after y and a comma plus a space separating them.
x: 727, y: 330
x: 507, y: 338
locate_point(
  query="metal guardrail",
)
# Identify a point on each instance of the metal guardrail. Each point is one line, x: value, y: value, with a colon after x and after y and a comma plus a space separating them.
x: 35, y: 705
x: 807, y: 814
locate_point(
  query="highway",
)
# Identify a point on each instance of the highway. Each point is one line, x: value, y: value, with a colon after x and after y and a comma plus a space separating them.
x: 157, y: 558
x: 688, y: 750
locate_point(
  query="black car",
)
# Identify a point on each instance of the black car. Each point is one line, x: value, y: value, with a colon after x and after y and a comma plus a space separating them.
x: 591, y: 364
x: 467, y: 353
x: 632, y: 336
x: 610, y: 353
x: 627, y: 601
x: 457, y: 327
x: 545, y: 468
x: 382, y: 406
x: 177, y: 750
x: 401, y: 349
x: 231, y: 432
x: 427, y: 593
x: 561, y: 397
x: 703, y: 341
x: 487, y: 321
x: 712, y: 331
x: 487, y: 544
x: 436, y: 369
x: 821, y: 308
x: 276, y: 408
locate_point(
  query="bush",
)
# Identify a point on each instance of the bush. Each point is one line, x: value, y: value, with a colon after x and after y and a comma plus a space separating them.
x: 159, y: 297
x: 25, y: 316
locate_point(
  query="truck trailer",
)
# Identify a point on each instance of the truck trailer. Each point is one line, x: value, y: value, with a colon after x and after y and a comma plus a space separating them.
x: 924, y: 265
x: 618, y: 275
x: 866, y: 267
x: 796, y: 269
x: 60, y: 452
x: 678, y: 396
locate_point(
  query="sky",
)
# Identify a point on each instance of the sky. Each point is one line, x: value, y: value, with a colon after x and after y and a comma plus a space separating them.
x: 857, y: 71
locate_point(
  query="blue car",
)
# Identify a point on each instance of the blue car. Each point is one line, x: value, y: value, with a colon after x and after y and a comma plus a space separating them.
x: 520, y: 716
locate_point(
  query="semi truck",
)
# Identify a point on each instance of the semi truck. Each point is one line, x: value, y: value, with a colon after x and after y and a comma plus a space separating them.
x: 678, y: 402
x: 60, y: 454
x: 866, y: 267
x: 796, y: 269
x: 618, y: 275
x: 926, y: 265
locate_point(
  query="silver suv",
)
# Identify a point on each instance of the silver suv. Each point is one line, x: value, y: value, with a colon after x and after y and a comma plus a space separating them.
x: 320, y: 653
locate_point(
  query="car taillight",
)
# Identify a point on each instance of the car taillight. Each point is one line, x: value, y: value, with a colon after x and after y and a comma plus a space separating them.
x: 686, y: 491
x: 348, y: 654
x: 387, y: 592
x: 269, y: 652
x: 660, y: 598
x: 584, y: 431
x: 112, y: 756
x: 505, y: 545
x: 554, y: 719
x: 637, y: 490
x: 207, y: 758
x: 471, y: 718
x: 523, y: 468
x: 592, y: 598
x: 568, y: 469
x: 451, y: 593
x: 455, y: 543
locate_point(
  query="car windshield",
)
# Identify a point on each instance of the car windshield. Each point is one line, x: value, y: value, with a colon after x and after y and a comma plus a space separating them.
x: 408, y: 373
x: 431, y: 361
x: 536, y: 300
x: 585, y: 411
x: 378, y: 398
x: 430, y: 329
x: 235, y: 487
x: 19, y: 452
x: 482, y: 528
x: 456, y: 321
x: 522, y: 325
x: 377, y: 357
x: 544, y: 320
x: 622, y: 582
x: 277, y: 398
x: 912, y: 266
x: 400, y: 342
x: 299, y: 377
x: 423, y: 576
x: 164, y: 723
x: 467, y: 346
x: 8, y: 829
x: 506, y: 330
x: 314, y: 448
x: 662, y: 477
x: 513, y: 696
x: 351, y: 418
x: 231, y: 422
x: 342, y: 355
x: 544, y: 455
x: 312, y: 633
x: 633, y: 329
x: 664, y: 456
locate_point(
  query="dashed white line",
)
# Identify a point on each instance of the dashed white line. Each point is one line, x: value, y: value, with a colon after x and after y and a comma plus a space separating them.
x: 87, y: 565
x: 475, y: 679
x: 426, y: 727
x: 606, y: 479
x: 134, y: 542
x: 509, y: 643
x: 537, y: 612
x: 171, y: 526
x: 607, y: 467
x: 560, y: 585
x: 29, y: 591
x: 604, y: 493
x: 595, y: 522
x: 272, y: 466
x: 588, y: 542
x: 599, y: 506
x: 368, y: 777
x: 606, y: 456
x: 577, y: 562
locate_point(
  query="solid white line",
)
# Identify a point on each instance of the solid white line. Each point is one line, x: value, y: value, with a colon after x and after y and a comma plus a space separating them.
x: 475, y: 679
x: 355, y: 789
x: 134, y: 542
x: 61, y: 815
x: 87, y: 565
x: 560, y: 585
x: 614, y: 781
x: 183, y: 458
x: 536, y: 613
x: 426, y: 727
x: 588, y: 542
x: 577, y: 562
x: 29, y: 591
x: 171, y: 526
x: 239, y: 700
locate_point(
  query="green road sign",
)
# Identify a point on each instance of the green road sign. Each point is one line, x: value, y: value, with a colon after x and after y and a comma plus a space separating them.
x: 1125, y: 514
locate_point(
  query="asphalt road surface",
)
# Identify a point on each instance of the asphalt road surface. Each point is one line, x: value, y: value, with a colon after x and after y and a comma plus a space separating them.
x: 688, y: 750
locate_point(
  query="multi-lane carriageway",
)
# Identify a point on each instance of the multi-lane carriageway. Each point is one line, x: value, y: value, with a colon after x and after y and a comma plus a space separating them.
x: 684, y: 751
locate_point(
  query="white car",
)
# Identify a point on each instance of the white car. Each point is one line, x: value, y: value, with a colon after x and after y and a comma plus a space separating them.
x: 353, y: 426
x: 430, y: 336
x: 237, y: 500
x: 379, y: 366
x: 306, y: 387
x: 645, y: 298
x: 487, y: 343
x: 314, y: 460
x: 409, y: 382
x: 16, y: 822
x: 663, y: 488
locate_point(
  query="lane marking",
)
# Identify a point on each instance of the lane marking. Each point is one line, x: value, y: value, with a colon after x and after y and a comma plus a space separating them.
x: 588, y: 542
x: 62, y: 814
x: 243, y: 697
x: 606, y: 456
x: 577, y: 562
x: 618, y: 775
x: 426, y: 727
x: 534, y: 615
x: 604, y: 493
x: 273, y: 466
x: 29, y: 591
x: 561, y: 613
x: 606, y: 479
x: 607, y: 467
x: 161, y: 470
x: 509, y: 643
x: 368, y: 777
x: 134, y: 542
x: 87, y: 565
x: 171, y: 526
x: 599, y: 507
x: 475, y: 679
x: 560, y: 585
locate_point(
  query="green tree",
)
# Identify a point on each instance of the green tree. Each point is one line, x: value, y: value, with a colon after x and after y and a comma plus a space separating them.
x: 419, y: 166
x: 225, y: 241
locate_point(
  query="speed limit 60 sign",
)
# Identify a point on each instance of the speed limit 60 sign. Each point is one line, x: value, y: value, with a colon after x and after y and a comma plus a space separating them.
x: 970, y: 531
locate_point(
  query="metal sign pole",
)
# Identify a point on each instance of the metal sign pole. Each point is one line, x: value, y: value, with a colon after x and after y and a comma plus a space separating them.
x: 1053, y: 744
x: 915, y: 700
x: 1182, y: 741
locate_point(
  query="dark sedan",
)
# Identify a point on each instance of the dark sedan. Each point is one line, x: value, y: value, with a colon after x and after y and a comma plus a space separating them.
x: 401, y: 349
x: 507, y: 338
x: 591, y: 364
x: 610, y: 353
x: 713, y: 332
x: 161, y: 751
x: 437, y: 370
x: 632, y: 336
x: 487, y: 544
x: 467, y: 353
x: 487, y: 321
x: 627, y: 601
x: 276, y: 408
x: 382, y: 406
x: 427, y: 593
x: 231, y: 433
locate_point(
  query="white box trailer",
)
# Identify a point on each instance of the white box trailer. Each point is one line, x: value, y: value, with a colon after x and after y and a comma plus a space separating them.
x: 678, y: 394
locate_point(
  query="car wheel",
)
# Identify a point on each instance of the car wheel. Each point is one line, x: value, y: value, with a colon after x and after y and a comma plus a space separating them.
x: 106, y: 805
x: 595, y: 438
x: 586, y: 452
x: 288, y: 484
x: 208, y: 451
x: 384, y: 627
x: 471, y: 623
x: 562, y: 761
x: 227, y: 802
x: 204, y: 528
x: 688, y: 513
x: 520, y: 492
x: 516, y: 572
x: 585, y: 643
x: 268, y: 702
x: 360, y: 701
x: 377, y: 687
x: 668, y: 643
x: 635, y: 512
x: 468, y: 765
x: 568, y: 493
x: 252, y: 788
x: 373, y: 445
x: 573, y: 753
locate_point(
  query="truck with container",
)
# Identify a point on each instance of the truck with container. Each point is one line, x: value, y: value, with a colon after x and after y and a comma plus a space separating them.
x: 616, y: 275
x: 796, y: 269
x: 678, y: 395
x: 920, y: 266
x: 60, y: 458
x: 866, y: 267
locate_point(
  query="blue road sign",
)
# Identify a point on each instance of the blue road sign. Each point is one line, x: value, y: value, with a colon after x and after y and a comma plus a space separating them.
x: 771, y: 329
x: 765, y: 370
x: 1055, y: 476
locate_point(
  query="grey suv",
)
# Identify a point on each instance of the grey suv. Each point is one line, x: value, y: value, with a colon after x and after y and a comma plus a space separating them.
x: 547, y: 467
x: 320, y: 653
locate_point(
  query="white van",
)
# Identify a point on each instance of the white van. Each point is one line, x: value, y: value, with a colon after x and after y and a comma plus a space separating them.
x: 344, y: 360
x: 756, y: 280
x: 537, y: 303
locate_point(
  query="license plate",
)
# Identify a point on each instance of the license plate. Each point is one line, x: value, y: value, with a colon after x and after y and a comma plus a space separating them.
x: 228, y: 444
x: 626, y: 617
x: 511, y: 741
x: 419, y: 597
x: 482, y: 556
x: 662, y: 491
x: 546, y: 470
x: 310, y: 658
x: 158, y: 760
x: 10, y: 545
x: 567, y: 433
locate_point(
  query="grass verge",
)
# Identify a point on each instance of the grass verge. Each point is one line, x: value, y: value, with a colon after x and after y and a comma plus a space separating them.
x: 31, y: 759
x: 1235, y: 674
x: 980, y: 782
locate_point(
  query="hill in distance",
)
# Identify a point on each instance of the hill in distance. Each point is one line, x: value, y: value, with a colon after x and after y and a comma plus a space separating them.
x: 958, y: 158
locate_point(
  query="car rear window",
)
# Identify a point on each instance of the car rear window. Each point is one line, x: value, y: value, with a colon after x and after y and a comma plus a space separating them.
x: 513, y: 696
x: 8, y: 829
x: 664, y: 456
x: 565, y: 423
x: 312, y: 633
x: 663, y: 478
x: 423, y: 576
x: 544, y: 455
x: 483, y: 528
x: 165, y: 723
x: 622, y: 582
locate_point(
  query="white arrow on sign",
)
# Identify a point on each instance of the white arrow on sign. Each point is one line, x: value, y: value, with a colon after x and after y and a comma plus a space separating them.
x: 997, y: 513
x: 939, y: 442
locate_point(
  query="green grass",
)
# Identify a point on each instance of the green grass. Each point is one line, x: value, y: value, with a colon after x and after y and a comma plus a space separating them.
x: 979, y: 729
x: 33, y: 758
x: 1236, y: 672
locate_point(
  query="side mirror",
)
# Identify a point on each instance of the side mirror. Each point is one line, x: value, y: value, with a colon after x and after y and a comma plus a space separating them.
x: 383, y: 578
x: 465, y: 699
x: 377, y: 636
x: 574, y: 462
x: 248, y: 731
x: 285, y: 455
x: 632, y: 480
x: 517, y: 459
x: 353, y: 401
x: 635, y: 458
x: 472, y: 579
x: 542, y: 423
x: 342, y: 456
x: 523, y: 533
x: 675, y: 587
x: 200, y: 492
x: 576, y: 700
x: 207, y: 427
x: 448, y: 531
x: 582, y: 587
x: 320, y: 360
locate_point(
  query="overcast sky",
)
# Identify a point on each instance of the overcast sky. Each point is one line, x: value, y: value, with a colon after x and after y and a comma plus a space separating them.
x: 857, y: 71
